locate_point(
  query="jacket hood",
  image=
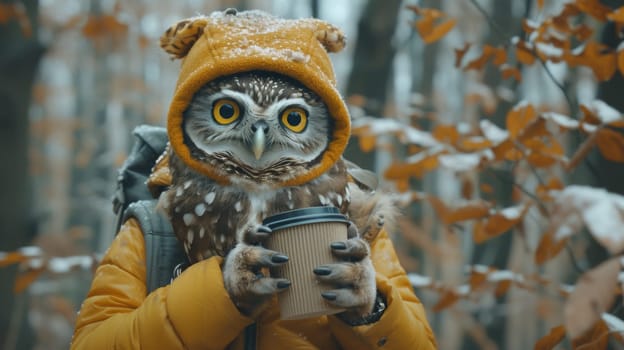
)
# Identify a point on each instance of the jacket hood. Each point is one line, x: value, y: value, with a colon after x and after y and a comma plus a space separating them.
x: 231, y: 42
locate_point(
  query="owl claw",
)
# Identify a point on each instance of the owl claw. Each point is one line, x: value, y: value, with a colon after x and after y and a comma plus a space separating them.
x: 352, y: 280
x: 257, y: 235
x: 247, y: 279
x: 279, y: 258
x: 354, y: 249
x: 352, y: 231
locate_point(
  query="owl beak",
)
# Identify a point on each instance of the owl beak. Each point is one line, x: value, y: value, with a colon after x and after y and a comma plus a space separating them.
x: 259, y: 141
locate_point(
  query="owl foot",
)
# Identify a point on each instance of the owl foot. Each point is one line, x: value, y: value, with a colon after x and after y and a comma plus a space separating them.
x: 247, y: 280
x: 353, y: 279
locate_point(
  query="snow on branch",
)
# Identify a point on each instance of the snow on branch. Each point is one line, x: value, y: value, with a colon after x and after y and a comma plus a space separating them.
x: 33, y: 262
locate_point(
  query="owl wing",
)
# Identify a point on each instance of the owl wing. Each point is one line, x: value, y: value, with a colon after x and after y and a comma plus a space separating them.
x: 362, y: 177
x: 370, y: 210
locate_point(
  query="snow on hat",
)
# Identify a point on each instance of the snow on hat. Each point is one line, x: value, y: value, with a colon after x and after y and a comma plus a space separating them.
x: 230, y: 42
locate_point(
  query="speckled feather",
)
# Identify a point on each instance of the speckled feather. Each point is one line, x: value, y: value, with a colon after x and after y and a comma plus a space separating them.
x: 196, y: 204
x: 210, y: 218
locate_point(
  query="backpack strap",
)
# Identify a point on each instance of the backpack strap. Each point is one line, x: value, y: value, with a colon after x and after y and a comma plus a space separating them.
x: 164, y: 256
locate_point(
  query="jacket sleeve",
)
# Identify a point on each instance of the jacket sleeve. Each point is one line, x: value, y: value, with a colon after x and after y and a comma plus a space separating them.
x: 403, y: 324
x: 117, y: 314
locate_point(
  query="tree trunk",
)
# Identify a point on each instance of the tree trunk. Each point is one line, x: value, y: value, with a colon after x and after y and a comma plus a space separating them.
x: 372, y: 64
x: 496, y: 252
x: 19, y: 59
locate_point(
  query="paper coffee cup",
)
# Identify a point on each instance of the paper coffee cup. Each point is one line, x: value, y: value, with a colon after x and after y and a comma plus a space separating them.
x: 305, y: 235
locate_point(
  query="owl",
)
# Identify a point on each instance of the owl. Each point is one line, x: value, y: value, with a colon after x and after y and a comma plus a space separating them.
x: 259, y: 129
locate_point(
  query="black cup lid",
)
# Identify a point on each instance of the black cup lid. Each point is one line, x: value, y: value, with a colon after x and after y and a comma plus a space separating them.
x: 304, y: 216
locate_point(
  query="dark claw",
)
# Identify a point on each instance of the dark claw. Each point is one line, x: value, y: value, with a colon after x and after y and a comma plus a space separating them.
x: 329, y: 295
x: 338, y: 245
x: 322, y: 271
x: 279, y: 258
x: 283, y: 284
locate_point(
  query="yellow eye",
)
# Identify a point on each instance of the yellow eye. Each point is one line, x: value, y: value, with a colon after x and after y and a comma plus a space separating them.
x: 225, y: 111
x: 294, y: 119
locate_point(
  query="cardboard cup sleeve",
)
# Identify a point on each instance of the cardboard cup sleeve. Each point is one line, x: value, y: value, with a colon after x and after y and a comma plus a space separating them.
x: 305, y: 235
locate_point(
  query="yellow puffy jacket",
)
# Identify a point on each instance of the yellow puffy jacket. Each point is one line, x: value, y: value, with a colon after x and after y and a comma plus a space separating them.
x: 195, y: 311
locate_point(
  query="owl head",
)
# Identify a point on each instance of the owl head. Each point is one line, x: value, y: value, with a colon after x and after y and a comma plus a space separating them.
x: 256, y: 100
x: 258, y: 128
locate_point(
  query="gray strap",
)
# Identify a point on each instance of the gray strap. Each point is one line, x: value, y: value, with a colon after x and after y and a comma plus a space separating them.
x: 163, y: 252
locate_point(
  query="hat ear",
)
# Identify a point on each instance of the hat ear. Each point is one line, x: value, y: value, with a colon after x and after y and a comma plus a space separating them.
x: 180, y: 37
x: 332, y: 38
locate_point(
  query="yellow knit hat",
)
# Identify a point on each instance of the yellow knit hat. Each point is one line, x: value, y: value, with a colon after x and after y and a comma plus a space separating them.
x: 228, y: 42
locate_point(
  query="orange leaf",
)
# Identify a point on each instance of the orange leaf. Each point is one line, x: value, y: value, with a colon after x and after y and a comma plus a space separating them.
x: 617, y: 15
x: 611, y: 144
x: 501, y: 288
x: 548, y: 248
x: 473, y: 144
x: 514, y: 154
x: 479, y: 62
x: 12, y: 258
x: 500, y: 56
x: 542, y: 191
x: 550, y: 340
x: 598, y: 57
x: 593, y: 294
x: 446, y: 133
x: 523, y: 54
x: 402, y: 171
x: 501, y: 150
x: 447, y: 299
x: 470, y: 211
x: 429, y: 30
x: 536, y: 128
x: 583, y: 32
x: 605, y: 66
x: 460, y: 53
x: 519, y: 118
x: 593, y: 8
x: 498, y: 223
x: 431, y: 33
x: 508, y: 71
x: 620, y: 61
x: 597, y: 338
x: 104, y: 25
x: 26, y: 279
x: 399, y: 171
x: 476, y: 279
x: 589, y: 116
x: 367, y: 142
x: 402, y: 185
x: 544, y: 154
x: 441, y: 30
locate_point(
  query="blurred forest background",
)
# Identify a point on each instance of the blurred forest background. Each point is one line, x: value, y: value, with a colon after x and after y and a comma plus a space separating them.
x: 495, y: 122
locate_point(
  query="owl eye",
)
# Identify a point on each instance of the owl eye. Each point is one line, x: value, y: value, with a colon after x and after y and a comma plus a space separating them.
x: 225, y: 111
x: 294, y: 119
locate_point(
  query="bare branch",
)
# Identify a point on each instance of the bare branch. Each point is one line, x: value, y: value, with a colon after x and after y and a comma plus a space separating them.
x: 506, y: 38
